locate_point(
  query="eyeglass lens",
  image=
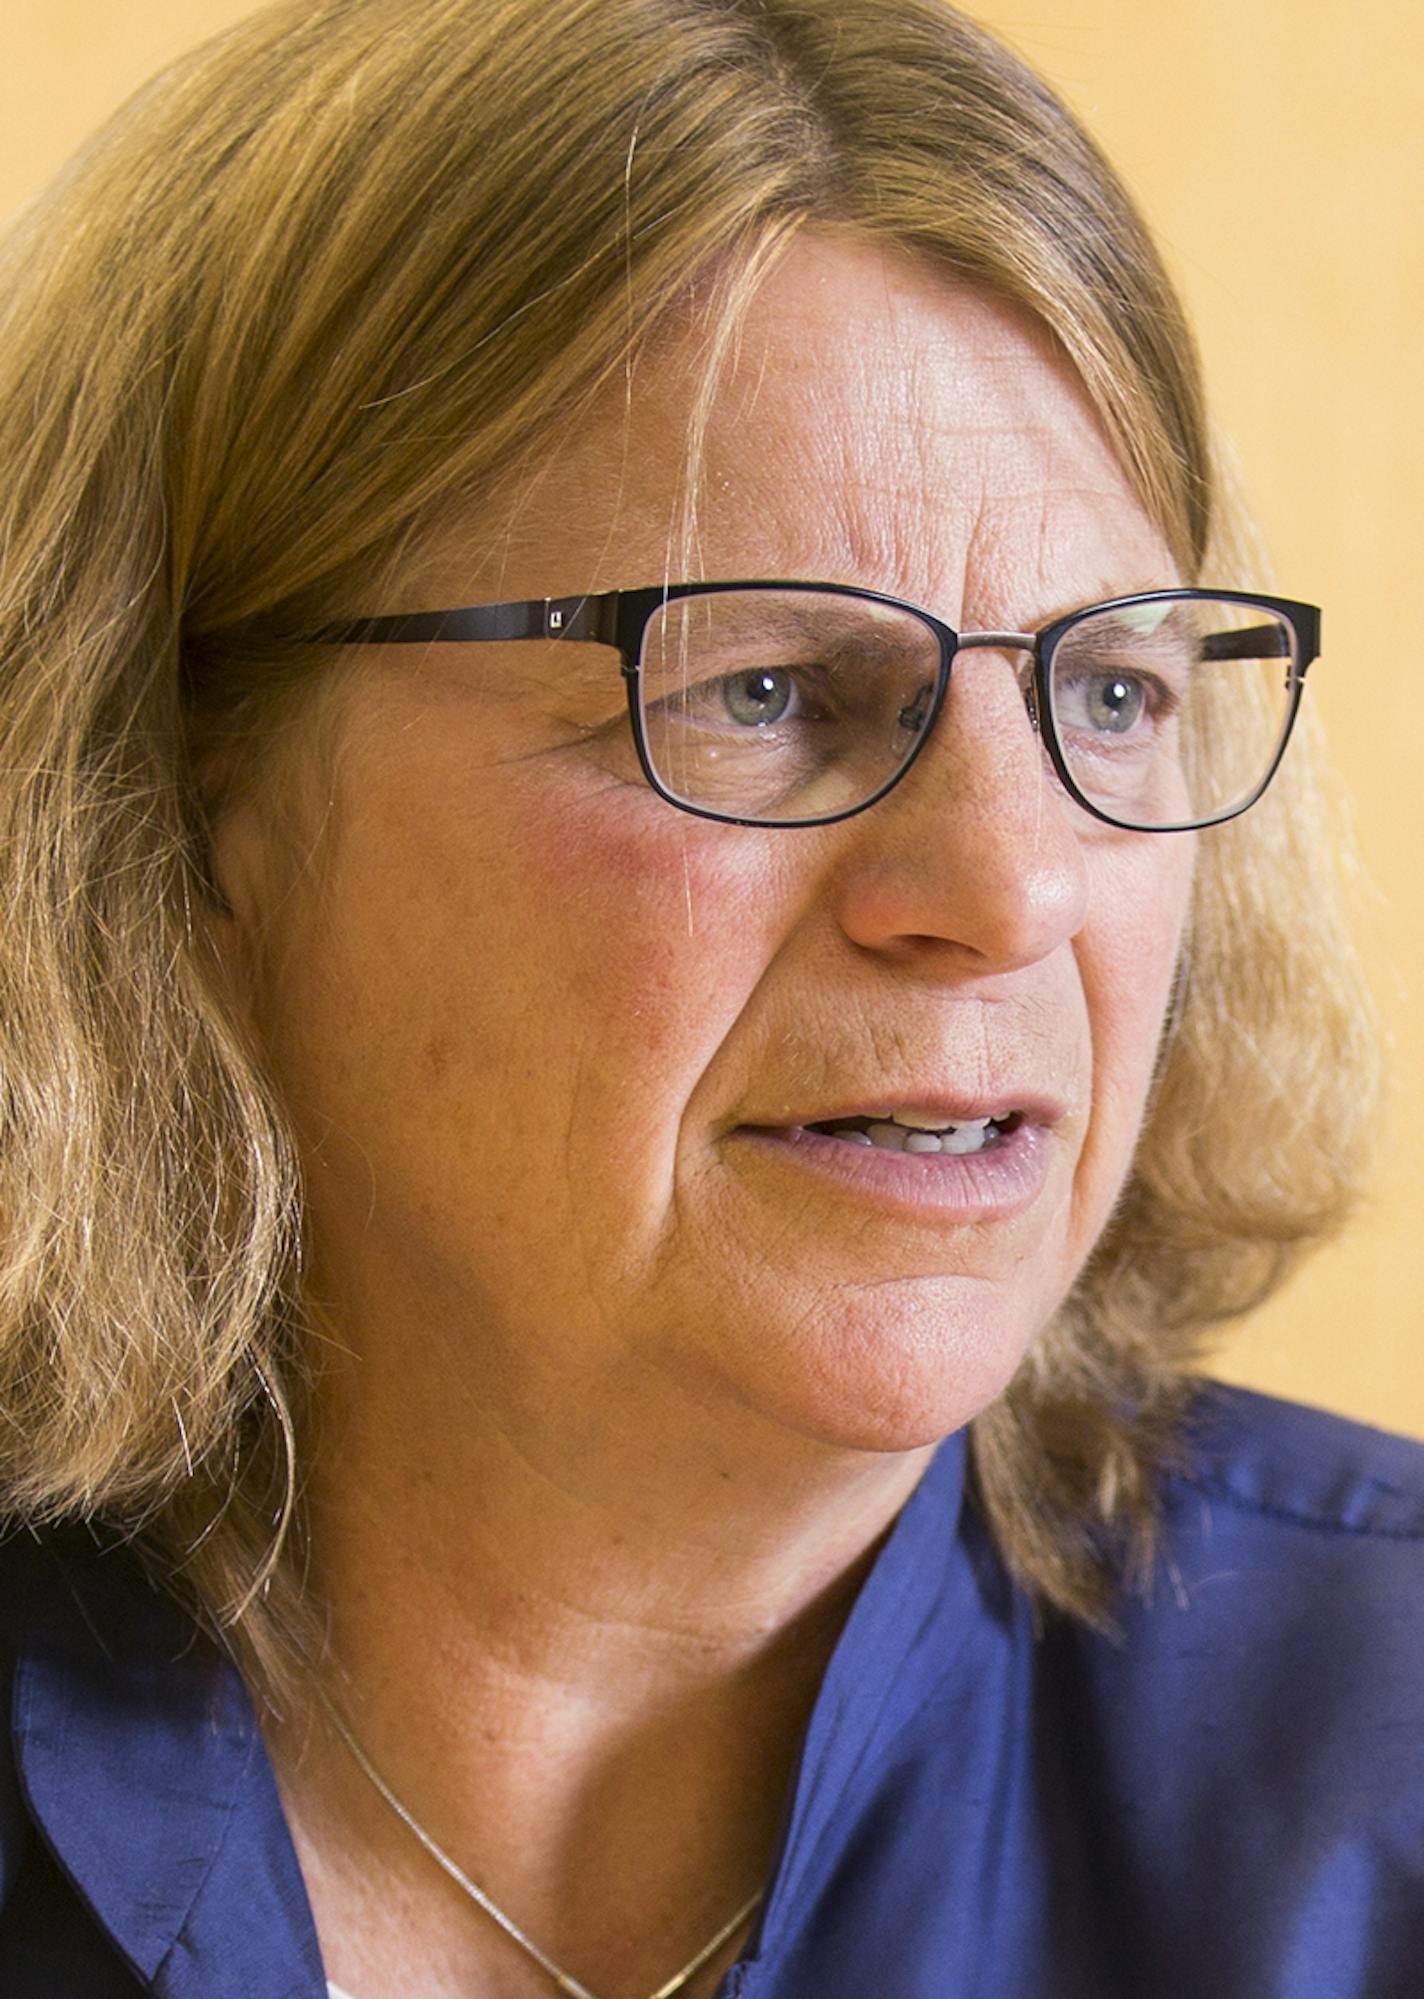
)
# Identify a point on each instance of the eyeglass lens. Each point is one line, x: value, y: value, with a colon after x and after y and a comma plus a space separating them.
x: 1172, y: 713
x: 781, y: 705
x: 784, y: 705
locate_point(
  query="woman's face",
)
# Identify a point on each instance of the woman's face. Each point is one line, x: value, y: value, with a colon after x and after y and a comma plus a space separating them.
x: 552, y: 1046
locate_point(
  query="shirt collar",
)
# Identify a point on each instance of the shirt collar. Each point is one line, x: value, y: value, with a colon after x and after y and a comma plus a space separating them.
x: 140, y: 1759
x: 902, y: 1638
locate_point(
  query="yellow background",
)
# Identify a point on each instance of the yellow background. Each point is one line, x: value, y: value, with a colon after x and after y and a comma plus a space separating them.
x: 1278, y: 146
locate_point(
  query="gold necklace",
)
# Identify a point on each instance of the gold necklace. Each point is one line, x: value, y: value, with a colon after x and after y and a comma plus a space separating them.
x: 565, y: 1980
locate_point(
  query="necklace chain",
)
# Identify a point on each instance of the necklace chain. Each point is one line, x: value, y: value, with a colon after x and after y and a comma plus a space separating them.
x: 565, y: 1980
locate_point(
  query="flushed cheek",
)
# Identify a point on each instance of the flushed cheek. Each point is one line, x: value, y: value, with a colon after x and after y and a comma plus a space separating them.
x: 521, y: 1039
x: 634, y: 938
x: 664, y: 925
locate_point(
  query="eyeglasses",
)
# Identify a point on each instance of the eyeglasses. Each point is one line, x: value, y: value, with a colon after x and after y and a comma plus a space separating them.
x: 797, y: 704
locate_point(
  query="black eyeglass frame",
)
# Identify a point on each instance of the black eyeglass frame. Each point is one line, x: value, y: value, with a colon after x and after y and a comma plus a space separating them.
x: 620, y: 618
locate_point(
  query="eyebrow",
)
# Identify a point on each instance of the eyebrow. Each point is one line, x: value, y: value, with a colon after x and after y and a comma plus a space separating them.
x: 1262, y: 641
x: 819, y: 625
x: 1172, y: 637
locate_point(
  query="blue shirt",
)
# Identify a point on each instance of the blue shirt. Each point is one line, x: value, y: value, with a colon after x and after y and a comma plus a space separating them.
x: 1223, y: 1801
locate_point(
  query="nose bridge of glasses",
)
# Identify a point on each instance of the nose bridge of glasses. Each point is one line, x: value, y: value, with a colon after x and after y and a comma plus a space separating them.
x: 996, y: 642
x: 1006, y: 642
x: 982, y: 739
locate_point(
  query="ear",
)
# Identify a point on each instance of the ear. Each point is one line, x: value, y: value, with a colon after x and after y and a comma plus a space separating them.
x: 236, y: 884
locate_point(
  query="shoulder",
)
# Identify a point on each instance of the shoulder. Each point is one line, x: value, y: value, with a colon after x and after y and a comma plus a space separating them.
x: 1280, y: 1641
x: 1292, y: 1554
x: 13, y: 1829
x: 1290, y: 1467
x: 132, y: 1767
x: 1296, y: 1536
x: 1249, y: 1739
x: 76, y: 1614
x: 30, y: 1577
x: 1304, y: 1531
x: 41, y: 1594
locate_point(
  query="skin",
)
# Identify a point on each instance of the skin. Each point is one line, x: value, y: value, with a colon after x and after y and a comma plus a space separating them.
x: 645, y: 1396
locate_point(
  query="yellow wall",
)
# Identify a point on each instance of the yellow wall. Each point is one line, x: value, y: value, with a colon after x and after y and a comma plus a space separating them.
x: 1278, y: 145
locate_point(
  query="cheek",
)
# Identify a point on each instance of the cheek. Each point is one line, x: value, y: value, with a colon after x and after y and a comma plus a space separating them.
x: 1128, y: 955
x: 658, y: 924
x: 505, y: 1015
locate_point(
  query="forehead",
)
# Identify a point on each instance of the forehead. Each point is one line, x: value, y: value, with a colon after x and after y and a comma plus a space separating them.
x: 876, y: 421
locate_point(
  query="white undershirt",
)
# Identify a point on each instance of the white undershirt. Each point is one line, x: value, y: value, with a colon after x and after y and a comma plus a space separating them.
x: 335, y: 1992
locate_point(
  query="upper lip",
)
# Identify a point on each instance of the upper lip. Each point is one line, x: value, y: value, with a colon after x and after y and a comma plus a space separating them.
x: 1031, y: 1106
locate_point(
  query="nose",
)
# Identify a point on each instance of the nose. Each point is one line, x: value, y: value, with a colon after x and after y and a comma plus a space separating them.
x: 973, y: 861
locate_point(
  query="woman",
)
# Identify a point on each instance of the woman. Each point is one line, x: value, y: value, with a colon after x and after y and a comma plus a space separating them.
x: 612, y: 1186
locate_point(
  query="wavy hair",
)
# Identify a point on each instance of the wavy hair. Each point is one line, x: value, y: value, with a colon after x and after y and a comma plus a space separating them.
x: 341, y: 269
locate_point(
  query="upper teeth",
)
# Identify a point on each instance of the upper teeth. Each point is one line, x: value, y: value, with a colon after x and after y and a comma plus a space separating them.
x: 917, y: 1131
x: 929, y: 1121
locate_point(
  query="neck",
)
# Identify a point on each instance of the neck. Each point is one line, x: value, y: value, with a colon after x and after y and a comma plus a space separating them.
x: 619, y: 1522
x: 582, y: 1659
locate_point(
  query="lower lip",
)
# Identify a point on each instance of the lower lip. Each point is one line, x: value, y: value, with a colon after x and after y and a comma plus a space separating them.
x: 992, y: 1185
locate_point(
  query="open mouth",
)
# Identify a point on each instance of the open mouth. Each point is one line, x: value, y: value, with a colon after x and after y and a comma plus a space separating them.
x: 920, y: 1161
x: 907, y: 1131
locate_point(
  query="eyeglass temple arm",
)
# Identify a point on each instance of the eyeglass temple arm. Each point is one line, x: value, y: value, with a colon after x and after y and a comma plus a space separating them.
x: 590, y: 617
x: 594, y: 618
x: 1273, y: 641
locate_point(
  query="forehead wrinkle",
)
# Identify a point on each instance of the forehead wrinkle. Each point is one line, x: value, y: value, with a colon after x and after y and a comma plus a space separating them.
x: 901, y: 446
x: 872, y: 477
x: 1035, y: 559
x: 900, y: 506
x: 942, y: 500
x: 894, y: 497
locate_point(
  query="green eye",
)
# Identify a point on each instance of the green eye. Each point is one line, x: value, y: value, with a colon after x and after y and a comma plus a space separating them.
x: 756, y: 698
x: 1113, y: 703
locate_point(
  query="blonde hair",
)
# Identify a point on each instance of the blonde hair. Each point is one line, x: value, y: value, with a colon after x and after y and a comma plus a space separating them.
x: 342, y: 267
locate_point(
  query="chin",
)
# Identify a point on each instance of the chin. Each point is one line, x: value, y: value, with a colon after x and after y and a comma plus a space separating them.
x: 891, y: 1382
